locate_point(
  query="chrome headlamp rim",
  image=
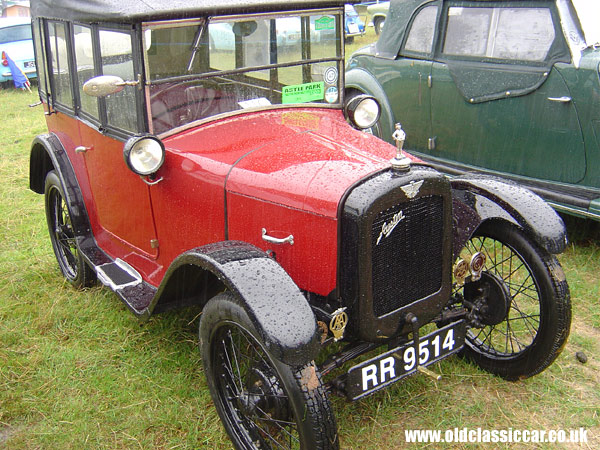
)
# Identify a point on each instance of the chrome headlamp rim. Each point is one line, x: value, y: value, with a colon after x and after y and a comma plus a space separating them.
x: 354, y: 108
x: 129, y: 155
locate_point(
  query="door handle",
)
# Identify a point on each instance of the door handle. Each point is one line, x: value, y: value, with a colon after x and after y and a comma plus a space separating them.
x: 274, y: 240
x: 563, y: 99
x: 82, y: 149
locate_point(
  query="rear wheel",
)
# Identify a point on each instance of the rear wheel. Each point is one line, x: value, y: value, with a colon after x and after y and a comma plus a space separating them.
x: 522, y: 303
x: 62, y: 235
x: 378, y: 25
x: 263, y: 402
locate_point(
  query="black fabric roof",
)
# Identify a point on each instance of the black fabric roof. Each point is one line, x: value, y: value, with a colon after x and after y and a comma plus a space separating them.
x: 138, y: 10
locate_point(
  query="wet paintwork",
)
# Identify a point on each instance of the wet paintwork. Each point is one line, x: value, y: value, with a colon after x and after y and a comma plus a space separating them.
x: 284, y: 156
x: 478, y: 198
x: 248, y: 154
x: 278, y: 167
x: 121, y: 225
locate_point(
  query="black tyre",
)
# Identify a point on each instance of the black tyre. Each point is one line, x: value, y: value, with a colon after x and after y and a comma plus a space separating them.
x: 263, y: 403
x: 378, y: 25
x: 526, y: 316
x: 71, y: 262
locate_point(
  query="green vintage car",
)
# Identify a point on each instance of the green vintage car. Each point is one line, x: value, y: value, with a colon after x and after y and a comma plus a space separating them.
x: 504, y: 87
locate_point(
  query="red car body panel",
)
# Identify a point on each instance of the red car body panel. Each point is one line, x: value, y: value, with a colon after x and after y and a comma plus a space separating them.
x: 285, y: 192
x: 122, y: 199
x: 236, y: 166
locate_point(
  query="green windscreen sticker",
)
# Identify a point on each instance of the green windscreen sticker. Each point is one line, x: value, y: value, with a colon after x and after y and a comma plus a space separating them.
x: 302, y: 93
x: 325, y: 23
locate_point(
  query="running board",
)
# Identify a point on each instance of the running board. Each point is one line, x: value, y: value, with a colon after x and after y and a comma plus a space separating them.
x: 118, y: 275
x: 127, y: 283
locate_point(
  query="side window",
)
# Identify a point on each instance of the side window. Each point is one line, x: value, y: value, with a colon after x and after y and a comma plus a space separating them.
x: 420, y: 36
x: 40, y: 60
x: 503, y: 33
x: 222, y: 46
x: 117, y: 59
x: 57, y: 35
x: 84, y: 60
x: 524, y: 33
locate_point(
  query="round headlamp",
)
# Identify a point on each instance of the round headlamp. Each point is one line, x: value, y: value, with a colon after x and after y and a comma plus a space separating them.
x: 144, y: 154
x: 363, y: 111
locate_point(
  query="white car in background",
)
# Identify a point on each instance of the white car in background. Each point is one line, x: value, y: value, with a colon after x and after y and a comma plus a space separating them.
x: 16, y: 42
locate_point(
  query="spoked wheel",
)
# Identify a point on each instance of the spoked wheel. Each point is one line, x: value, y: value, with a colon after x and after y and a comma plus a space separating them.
x: 521, y: 301
x: 62, y: 236
x: 263, y: 403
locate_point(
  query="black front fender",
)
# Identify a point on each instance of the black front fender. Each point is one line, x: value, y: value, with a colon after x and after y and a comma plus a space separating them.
x: 479, y: 198
x: 276, y: 306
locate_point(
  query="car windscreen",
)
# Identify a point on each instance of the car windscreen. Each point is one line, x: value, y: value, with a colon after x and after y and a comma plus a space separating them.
x: 15, y: 33
x: 199, y: 69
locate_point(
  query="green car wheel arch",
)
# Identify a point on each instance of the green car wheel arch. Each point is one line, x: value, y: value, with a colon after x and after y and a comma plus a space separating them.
x: 359, y: 81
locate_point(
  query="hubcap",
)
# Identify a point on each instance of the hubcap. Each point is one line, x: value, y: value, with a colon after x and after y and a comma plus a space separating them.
x: 263, y: 394
x: 490, y: 296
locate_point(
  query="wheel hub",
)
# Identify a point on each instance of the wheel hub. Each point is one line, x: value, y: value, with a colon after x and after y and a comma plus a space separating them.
x: 263, y: 394
x: 490, y: 297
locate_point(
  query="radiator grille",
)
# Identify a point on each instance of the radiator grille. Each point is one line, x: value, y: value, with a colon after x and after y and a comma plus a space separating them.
x: 407, y: 242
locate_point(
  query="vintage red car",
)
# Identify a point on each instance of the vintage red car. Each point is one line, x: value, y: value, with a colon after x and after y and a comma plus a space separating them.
x: 197, y: 156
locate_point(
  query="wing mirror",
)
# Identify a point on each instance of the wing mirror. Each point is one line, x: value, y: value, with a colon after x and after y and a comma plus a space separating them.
x: 104, y: 85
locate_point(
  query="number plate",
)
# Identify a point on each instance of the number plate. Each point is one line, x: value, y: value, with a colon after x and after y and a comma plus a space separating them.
x: 29, y: 64
x: 389, y: 367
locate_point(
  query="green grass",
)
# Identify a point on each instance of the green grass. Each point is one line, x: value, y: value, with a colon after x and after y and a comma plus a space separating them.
x: 78, y: 371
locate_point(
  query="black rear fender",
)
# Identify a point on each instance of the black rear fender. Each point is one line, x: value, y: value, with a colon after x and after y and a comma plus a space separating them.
x: 47, y: 153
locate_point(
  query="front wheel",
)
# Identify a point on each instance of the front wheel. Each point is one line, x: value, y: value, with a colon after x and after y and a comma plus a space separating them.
x: 62, y: 235
x: 521, y: 302
x: 263, y: 402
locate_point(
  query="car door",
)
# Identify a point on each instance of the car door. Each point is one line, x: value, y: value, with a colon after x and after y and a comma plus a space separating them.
x: 121, y: 198
x: 498, y: 102
x: 408, y: 90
